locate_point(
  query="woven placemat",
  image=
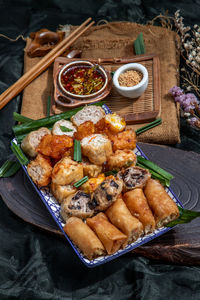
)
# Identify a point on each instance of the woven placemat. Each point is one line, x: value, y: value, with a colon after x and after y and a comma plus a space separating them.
x: 116, y: 40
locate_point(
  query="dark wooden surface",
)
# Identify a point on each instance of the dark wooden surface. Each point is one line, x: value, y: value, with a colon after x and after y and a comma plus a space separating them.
x: 180, y: 245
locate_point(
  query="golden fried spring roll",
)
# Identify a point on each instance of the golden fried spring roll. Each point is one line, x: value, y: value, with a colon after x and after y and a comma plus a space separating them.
x: 137, y: 204
x: 83, y: 237
x: 109, y: 235
x: 162, y: 206
x: 121, y: 217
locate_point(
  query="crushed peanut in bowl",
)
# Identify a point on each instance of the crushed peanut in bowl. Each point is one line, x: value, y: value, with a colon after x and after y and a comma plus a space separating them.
x: 130, y: 78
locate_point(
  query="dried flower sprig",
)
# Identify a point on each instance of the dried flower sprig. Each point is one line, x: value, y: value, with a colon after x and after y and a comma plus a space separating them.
x: 189, y: 104
x: 190, y: 53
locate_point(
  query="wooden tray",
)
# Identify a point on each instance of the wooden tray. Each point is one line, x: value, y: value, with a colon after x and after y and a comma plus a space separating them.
x: 179, y: 245
x: 146, y: 108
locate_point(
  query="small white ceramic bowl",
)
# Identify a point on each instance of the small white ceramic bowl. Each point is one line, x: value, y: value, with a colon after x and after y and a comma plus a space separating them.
x: 133, y: 91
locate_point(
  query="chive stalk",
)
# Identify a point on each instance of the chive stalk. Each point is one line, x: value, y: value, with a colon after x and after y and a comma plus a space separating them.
x: 48, y: 106
x: 81, y: 181
x: 46, y: 122
x: 148, y: 126
x: 77, y: 151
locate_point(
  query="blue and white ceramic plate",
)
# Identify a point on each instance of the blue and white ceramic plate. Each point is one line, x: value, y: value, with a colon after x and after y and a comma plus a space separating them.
x: 54, y: 208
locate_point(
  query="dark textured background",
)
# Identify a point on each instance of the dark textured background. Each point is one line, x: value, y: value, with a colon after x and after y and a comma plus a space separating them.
x: 34, y: 264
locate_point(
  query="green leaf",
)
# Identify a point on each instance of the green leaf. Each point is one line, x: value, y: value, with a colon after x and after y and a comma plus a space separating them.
x: 19, y: 154
x: 65, y: 129
x: 47, y: 122
x: 139, y: 44
x: 9, y: 168
x: 20, y: 118
x: 186, y: 216
x: 154, y: 167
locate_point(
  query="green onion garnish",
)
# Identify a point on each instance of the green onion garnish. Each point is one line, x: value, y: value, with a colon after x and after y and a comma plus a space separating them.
x: 19, y: 154
x: 9, y: 168
x: 152, y: 166
x: 148, y: 126
x: 65, y: 129
x: 139, y: 44
x: 48, y: 106
x: 81, y: 181
x: 186, y: 216
x: 77, y: 151
x: 20, y: 118
x: 46, y: 122
x: 113, y: 172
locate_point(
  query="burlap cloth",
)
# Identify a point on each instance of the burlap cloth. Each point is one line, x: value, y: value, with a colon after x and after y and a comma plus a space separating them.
x: 116, y: 40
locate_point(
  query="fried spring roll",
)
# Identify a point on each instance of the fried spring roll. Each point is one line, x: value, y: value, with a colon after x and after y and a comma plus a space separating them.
x: 121, y: 217
x: 83, y: 237
x: 109, y: 235
x: 162, y: 206
x: 138, y: 206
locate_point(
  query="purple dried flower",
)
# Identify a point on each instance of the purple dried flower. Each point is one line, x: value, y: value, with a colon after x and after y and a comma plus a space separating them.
x: 189, y: 108
x: 192, y: 97
x: 176, y: 91
x: 192, y: 121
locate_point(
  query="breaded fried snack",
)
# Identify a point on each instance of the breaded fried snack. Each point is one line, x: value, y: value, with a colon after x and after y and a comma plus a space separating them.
x: 163, y: 207
x: 121, y: 159
x: 138, y: 206
x: 134, y: 177
x: 111, y: 237
x: 77, y: 205
x: 63, y: 127
x: 60, y: 192
x: 106, y: 193
x: 120, y: 216
x: 32, y: 140
x: 40, y: 170
x: 67, y: 171
x: 97, y: 148
x: 84, y: 238
x: 91, y: 113
x: 91, y: 170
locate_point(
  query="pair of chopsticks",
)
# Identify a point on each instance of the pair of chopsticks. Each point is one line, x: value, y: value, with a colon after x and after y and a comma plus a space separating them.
x: 43, y: 64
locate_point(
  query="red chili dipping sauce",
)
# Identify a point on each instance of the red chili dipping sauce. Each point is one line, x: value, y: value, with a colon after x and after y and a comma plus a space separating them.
x: 82, y: 80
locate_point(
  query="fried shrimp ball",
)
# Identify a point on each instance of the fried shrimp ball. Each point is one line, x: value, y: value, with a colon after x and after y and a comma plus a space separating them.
x: 40, y: 170
x: 85, y: 129
x: 124, y: 140
x: 121, y: 159
x: 91, y: 185
x: 67, y: 171
x: 115, y: 123
x: 97, y: 148
x: 55, y: 146
x: 32, y: 141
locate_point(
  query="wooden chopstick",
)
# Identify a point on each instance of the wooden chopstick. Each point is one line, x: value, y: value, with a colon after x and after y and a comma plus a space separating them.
x: 47, y: 60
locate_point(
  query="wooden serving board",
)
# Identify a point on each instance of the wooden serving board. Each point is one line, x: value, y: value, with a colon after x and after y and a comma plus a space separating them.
x: 179, y: 245
x: 146, y: 108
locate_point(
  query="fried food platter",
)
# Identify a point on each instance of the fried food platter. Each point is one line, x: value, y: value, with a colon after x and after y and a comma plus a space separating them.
x: 54, y: 208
